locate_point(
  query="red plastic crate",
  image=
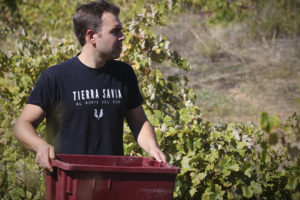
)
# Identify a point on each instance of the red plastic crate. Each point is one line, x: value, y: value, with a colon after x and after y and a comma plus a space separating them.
x: 85, y: 177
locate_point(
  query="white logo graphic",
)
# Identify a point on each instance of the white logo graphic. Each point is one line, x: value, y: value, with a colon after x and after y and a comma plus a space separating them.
x: 96, y: 113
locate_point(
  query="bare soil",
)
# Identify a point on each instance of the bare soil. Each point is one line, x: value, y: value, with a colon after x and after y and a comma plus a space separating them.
x: 235, y: 77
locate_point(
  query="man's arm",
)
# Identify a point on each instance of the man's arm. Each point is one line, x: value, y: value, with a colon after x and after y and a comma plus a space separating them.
x: 144, y: 132
x: 25, y: 132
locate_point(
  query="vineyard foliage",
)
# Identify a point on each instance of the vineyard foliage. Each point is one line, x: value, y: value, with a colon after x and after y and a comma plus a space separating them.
x: 217, y: 161
x: 264, y: 18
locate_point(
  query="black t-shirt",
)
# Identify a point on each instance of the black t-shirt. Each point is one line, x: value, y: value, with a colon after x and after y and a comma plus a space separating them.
x: 85, y: 107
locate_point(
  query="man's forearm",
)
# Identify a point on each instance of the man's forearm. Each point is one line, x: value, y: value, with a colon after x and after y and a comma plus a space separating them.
x: 144, y: 133
x: 25, y: 132
x: 146, y: 137
x: 147, y: 141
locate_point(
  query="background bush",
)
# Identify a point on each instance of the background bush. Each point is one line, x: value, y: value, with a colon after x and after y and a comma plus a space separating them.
x: 217, y: 161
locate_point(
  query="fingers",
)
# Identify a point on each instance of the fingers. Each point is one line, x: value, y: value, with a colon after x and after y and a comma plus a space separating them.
x: 162, y: 156
x: 158, y: 155
x: 51, y: 153
x: 43, y: 162
x: 43, y: 156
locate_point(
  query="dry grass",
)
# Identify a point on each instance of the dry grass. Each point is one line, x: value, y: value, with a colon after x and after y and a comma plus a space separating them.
x: 235, y: 77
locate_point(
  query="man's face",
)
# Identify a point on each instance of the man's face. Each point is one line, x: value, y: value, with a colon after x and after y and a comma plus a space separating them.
x: 109, y: 39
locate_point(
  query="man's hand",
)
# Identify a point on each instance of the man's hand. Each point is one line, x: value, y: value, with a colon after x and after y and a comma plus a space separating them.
x: 44, y: 153
x: 158, y: 155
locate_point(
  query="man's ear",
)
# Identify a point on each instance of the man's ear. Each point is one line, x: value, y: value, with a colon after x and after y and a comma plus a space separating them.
x: 90, y: 36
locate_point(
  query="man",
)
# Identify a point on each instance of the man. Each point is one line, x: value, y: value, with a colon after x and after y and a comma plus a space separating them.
x: 86, y: 98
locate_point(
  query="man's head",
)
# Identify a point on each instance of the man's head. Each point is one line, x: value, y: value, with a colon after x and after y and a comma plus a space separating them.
x: 89, y: 16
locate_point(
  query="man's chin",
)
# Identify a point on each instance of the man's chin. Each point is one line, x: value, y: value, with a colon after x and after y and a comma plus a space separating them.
x: 116, y: 56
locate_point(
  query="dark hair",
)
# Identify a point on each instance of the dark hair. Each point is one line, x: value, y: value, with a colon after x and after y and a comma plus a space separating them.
x: 89, y: 16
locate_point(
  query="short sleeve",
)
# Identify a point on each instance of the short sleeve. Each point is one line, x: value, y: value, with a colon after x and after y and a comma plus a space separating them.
x: 43, y: 93
x: 135, y: 98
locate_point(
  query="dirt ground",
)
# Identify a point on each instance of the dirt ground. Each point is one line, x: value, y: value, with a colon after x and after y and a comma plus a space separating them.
x: 235, y: 77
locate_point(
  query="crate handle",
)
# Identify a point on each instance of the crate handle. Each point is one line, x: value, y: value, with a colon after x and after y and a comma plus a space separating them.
x: 94, y: 184
x: 109, y: 184
x: 69, y: 186
x: 57, y: 163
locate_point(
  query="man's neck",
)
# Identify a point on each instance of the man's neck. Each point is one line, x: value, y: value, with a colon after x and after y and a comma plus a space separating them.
x: 90, y: 58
